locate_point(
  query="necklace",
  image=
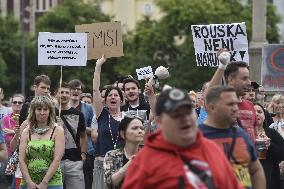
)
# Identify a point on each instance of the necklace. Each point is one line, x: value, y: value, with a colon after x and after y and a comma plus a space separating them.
x: 127, y: 157
x: 41, y: 131
x: 112, y: 138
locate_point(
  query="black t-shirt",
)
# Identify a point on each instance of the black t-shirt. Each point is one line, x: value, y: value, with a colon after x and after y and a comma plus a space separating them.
x: 76, y: 121
x: 25, y: 110
x: 142, y: 110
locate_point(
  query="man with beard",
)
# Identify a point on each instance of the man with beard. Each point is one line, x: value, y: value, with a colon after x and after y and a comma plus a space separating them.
x: 76, y: 88
x: 236, y: 74
x: 73, y: 123
x: 135, y: 102
x: 220, y: 126
x: 41, y: 86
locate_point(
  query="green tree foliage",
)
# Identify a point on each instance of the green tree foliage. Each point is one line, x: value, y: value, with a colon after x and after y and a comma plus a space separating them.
x: 9, y: 54
x: 63, y: 19
x: 154, y: 42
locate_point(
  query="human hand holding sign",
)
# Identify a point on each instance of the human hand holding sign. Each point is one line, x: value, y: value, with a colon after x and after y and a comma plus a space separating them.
x: 101, y: 60
x: 224, y: 57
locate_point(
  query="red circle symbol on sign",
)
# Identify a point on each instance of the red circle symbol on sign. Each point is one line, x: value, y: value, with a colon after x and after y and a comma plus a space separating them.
x: 273, y: 57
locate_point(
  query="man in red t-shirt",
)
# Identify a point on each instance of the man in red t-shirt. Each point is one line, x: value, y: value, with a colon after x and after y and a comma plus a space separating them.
x: 236, y: 74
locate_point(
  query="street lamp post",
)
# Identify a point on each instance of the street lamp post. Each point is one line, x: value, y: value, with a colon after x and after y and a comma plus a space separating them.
x: 23, y: 44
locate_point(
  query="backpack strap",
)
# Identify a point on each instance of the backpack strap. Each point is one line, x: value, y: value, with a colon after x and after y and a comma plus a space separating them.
x: 70, y: 130
x: 203, y: 176
x: 52, y: 133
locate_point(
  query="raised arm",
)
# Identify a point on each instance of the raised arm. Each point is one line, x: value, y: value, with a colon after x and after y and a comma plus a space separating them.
x: 224, y: 58
x: 58, y: 154
x: 96, y: 86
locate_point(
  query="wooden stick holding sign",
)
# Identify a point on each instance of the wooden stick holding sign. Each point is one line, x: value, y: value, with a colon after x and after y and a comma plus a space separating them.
x: 64, y: 49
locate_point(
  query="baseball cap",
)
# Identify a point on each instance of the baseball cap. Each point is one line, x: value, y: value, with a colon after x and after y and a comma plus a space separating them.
x: 254, y: 84
x: 172, y: 99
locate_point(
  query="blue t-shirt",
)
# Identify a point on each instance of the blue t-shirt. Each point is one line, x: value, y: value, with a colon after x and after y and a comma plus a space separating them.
x: 2, y: 140
x: 202, y: 116
x: 107, y: 133
x: 242, y: 154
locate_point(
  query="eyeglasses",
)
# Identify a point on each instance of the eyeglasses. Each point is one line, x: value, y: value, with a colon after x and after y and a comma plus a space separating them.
x: 17, y: 102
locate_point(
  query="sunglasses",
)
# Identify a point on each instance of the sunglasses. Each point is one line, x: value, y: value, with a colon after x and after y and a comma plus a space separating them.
x: 130, y: 116
x: 17, y: 102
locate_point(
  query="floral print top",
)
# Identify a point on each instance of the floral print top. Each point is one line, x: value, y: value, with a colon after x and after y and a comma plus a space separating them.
x: 113, y: 161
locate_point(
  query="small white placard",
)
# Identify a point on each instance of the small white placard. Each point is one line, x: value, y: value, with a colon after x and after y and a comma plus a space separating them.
x: 145, y: 72
x: 66, y: 49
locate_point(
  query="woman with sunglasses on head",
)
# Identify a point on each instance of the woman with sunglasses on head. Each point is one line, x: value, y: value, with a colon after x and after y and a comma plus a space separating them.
x: 270, y: 147
x: 108, y: 118
x: 41, y: 148
x: 116, y: 162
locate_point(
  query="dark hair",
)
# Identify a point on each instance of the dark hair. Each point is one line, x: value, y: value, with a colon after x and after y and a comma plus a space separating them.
x: 130, y: 80
x: 105, y: 87
x: 233, y: 68
x: 123, y: 125
x: 113, y: 88
x: 63, y: 84
x: 213, y: 93
x: 265, y: 124
x: 42, y: 79
x: 76, y: 83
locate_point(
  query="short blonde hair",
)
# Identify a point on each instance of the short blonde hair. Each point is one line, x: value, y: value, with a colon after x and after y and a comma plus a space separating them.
x: 276, y: 99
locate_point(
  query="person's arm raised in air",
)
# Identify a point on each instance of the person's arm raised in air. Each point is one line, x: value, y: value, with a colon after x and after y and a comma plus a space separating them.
x: 96, y: 86
x: 149, y: 90
x: 224, y: 59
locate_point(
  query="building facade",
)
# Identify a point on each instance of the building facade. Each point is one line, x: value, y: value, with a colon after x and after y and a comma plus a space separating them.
x: 32, y: 10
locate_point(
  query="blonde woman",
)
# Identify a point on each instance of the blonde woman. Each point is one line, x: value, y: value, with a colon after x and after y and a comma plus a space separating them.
x: 276, y: 107
x: 41, y: 147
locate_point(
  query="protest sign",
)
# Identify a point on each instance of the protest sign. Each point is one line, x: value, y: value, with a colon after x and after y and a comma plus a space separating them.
x: 208, y: 39
x: 103, y: 38
x: 272, y: 70
x: 145, y: 72
x: 66, y: 49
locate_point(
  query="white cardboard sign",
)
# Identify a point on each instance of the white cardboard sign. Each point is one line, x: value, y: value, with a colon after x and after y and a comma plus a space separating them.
x: 66, y: 49
x: 145, y: 72
x: 208, y: 39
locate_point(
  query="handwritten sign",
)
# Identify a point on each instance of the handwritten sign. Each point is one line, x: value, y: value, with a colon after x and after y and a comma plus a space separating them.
x: 66, y: 49
x: 208, y: 39
x: 145, y: 72
x: 103, y: 38
x: 272, y: 69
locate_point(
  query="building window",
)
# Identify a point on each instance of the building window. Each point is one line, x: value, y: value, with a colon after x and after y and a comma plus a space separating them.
x: 43, y: 5
x: 37, y: 4
x: 50, y: 3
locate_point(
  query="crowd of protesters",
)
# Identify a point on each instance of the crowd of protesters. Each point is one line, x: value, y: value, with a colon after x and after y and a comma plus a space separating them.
x: 227, y: 135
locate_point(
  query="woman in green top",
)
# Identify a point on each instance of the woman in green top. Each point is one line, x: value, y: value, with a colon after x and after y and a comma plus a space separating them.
x: 41, y: 147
